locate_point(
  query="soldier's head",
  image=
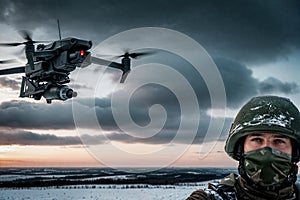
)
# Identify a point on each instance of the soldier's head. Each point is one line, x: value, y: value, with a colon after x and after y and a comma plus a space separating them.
x: 265, y: 139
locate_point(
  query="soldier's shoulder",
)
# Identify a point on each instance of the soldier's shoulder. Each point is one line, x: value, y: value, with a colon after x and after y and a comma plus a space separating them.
x: 206, y: 194
x: 229, y: 180
x: 224, y: 188
x: 199, y: 195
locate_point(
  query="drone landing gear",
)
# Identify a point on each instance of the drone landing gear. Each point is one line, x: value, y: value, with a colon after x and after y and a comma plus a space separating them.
x: 50, y: 91
x: 28, y: 88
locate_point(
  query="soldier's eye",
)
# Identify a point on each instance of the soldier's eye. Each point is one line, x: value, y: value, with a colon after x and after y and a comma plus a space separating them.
x: 258, y: 140
x: 279, y: 141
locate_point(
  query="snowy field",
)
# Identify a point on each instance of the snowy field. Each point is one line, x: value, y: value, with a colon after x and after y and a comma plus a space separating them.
x: 104, y: 183
x: 106, y: 192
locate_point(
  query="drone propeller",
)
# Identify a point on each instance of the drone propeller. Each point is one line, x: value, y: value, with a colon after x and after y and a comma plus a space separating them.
x: 11, y: 44
x: 136, y: 55
x: 29, y: 47
x: 20, y: 43
x: 26, y: 35
x: 126, y: 59
x: 125, y: 65
x: 129, y: 55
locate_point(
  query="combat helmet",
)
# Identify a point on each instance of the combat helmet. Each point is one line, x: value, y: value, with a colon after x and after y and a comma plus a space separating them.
x: 264, y: 114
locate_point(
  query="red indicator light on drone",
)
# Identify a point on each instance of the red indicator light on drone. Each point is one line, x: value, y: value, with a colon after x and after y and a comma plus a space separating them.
x: 82, y: 53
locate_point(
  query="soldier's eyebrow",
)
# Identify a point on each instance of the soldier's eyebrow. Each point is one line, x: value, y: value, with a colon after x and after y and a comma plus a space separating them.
x: 262, y: 134
x: 280, y: 136
x: 255, y: 134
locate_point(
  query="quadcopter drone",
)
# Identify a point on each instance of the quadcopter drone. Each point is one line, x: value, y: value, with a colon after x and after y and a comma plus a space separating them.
x: 48, y: 67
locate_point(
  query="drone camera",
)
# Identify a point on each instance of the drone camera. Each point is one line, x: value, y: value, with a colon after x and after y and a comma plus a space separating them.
x: 61, y: 92
x: 65, y: 93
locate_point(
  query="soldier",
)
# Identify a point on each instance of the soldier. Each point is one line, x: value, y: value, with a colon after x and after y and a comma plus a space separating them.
x: 265, y: 139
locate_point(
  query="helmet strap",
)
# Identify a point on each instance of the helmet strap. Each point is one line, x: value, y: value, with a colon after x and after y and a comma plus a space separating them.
x: 239, y: 149
x: 295, y: 152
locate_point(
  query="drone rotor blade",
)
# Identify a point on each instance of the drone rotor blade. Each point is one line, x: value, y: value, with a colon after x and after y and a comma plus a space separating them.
x: 11, y: 44
x: 15, y: 44
x: 15, y: 70
x: 26, y: 35
x: 145, y: 53
x: 136, y: 55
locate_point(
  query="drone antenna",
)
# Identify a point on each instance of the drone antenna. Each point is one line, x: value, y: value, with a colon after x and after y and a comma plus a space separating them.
x: 58, y: 26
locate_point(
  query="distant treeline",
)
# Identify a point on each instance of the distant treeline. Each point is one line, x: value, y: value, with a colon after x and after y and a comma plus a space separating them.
x: 77, y: 180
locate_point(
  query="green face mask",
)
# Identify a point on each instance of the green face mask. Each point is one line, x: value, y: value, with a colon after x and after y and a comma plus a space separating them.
x: 267, y: 167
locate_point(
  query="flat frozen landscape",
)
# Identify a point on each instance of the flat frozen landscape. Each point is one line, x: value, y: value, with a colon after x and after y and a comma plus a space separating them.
x: 104, y: 192
x: 103, y: 183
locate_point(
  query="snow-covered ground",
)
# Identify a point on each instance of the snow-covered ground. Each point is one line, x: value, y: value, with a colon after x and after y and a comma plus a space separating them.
x: 22, y: 177
x: 102, y: 192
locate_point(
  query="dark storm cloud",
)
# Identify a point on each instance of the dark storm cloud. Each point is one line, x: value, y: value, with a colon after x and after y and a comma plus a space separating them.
x: 238, y: 80
x: 9, y: 83
x: 160, y: 138
x: 26, y: 115
x: 141, y: 101
x: 248, y: 31
x: 43, y: 117
x: 237, y: 34
x: 15, y: 115
x: 168, y: 136
x: 22, y: 114
x: 239, y: 83
x: 273, y: 85
x: 20, y: 137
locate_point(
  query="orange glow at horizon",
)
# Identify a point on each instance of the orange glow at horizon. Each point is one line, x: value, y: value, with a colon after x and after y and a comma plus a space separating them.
x: 45, y: 156
x: 57, y: 156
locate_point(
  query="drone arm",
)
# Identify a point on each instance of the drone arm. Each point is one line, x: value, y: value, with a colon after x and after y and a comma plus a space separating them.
x: 15, y: 70
x: 46, y: 53
x: 116, y: 66
x: 111, y: 64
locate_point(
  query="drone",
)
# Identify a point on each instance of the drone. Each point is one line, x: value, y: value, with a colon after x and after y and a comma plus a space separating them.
x: 49, y: 65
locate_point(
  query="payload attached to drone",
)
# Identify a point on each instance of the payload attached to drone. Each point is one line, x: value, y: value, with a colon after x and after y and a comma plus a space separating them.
x: 48, y: 67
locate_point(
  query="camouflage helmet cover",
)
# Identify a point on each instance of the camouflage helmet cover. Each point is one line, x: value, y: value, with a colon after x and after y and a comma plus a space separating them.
x: 264, y: 114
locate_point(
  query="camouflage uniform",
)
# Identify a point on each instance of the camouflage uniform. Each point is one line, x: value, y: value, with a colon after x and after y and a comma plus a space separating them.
x: 232, y: 188
x: 264, y: 173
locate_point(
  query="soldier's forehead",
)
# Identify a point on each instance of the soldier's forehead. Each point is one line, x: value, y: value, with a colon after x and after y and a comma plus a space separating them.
x: 268, y: 134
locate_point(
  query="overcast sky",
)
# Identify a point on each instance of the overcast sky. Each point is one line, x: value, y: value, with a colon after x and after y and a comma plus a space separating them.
x: 254, y: 44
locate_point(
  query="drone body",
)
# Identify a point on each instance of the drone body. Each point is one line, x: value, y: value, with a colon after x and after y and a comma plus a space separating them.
x: 51, y: 67
x: 48, y: 67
